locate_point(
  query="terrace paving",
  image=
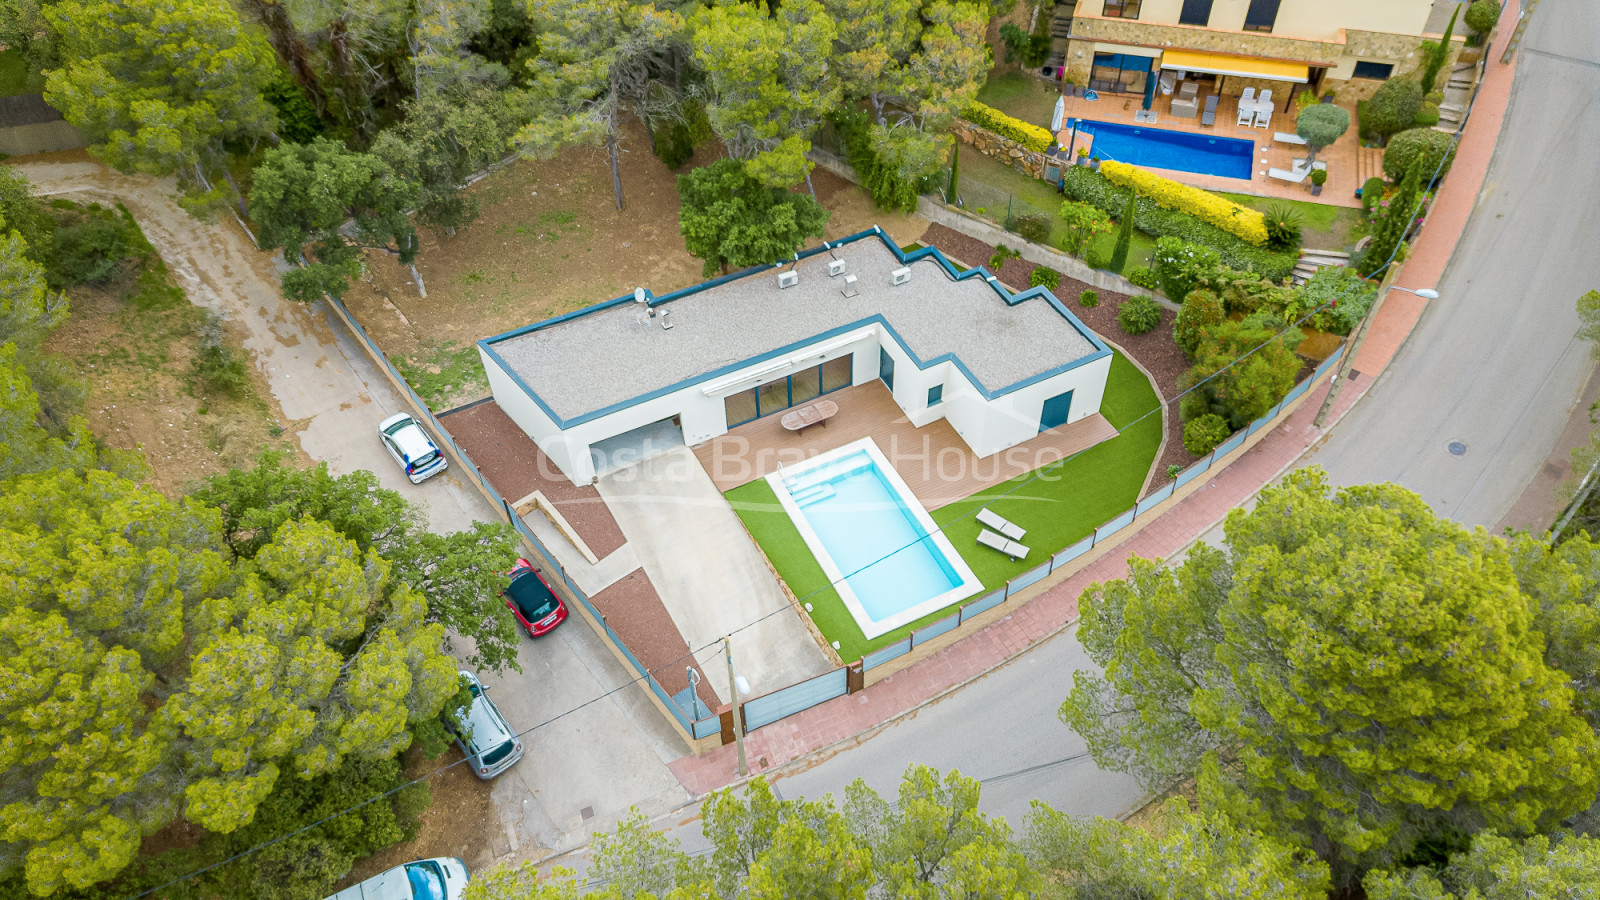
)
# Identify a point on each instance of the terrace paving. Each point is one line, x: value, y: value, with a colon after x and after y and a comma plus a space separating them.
x: 608, y: 357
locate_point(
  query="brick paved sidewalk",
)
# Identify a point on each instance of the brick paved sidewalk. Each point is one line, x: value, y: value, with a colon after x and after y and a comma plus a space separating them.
x: 1049, y: 613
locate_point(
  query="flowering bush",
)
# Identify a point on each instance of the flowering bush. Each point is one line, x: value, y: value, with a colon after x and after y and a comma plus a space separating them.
x: 1181, y: 266
x: 1031, y: 136
x: 1204, y: 205
x: 1084, y: 223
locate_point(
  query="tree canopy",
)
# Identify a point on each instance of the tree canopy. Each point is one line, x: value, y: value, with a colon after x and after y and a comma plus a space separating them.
x: 1319, y: 125
x: 1349, y: 670
x: 301, y: 198
x: 729, y: 218
x: 159, y: 86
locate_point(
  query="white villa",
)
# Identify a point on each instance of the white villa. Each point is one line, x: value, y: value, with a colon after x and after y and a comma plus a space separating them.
x: 1000, y: 367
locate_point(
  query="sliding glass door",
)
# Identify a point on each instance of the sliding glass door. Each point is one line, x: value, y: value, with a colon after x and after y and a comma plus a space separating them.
x: 791, y: 390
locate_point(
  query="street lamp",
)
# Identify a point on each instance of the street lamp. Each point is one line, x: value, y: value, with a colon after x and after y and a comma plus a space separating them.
x: 738, y: 686
x: 1356, y: 337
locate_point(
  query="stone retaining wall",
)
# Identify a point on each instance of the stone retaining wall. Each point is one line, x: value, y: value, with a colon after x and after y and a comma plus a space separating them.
x: 1013, y: 154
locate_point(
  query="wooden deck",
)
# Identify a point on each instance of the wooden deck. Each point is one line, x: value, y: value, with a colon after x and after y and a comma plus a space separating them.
x: 935, y: 462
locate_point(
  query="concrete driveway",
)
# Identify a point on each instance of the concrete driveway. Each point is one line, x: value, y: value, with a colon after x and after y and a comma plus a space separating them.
x: 600, y: 746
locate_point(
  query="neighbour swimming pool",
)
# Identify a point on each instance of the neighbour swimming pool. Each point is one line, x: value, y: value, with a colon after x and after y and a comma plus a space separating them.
x: 1161, y: 149
x: 879, y: 547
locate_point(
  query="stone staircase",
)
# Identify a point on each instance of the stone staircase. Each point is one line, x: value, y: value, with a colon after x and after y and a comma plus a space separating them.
x: 1369, y: 163
x: 1060, y: 30
x: 1312, y: 260
x: 1457, y: 94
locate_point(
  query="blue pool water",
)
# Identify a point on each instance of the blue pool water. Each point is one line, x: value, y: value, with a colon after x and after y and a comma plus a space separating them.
x: 887, y: 558
x: 1161, y: 149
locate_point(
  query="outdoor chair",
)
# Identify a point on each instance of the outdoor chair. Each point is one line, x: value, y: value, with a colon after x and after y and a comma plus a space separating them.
x: 1264, y: 109
x: 1247, y: 107
x: 997, y: 542
x: 1184, y: 109
x: 1168, y: 81
x: 989, y: 517
x: 1189, y: 90
x: 1209, y: 117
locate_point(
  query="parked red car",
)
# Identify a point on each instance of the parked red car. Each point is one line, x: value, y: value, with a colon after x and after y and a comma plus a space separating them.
x: 535, y: 605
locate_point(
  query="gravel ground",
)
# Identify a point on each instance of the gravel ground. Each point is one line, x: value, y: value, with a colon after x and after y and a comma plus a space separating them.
x: 1155, y: 350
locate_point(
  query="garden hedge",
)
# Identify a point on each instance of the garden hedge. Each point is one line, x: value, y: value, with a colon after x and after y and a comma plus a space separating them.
x: 1238, y: 220
x: 1425, y: 145
x: 1087, y: 186
x: 1030, y: 136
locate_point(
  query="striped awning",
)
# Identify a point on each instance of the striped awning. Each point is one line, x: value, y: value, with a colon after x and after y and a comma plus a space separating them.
x: 1244, y: 66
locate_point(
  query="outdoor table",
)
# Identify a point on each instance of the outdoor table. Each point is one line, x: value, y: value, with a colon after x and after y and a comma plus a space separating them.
x: 817, y: 413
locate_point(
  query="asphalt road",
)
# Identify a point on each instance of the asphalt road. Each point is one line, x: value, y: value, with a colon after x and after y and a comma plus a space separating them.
x: 1493, y: 363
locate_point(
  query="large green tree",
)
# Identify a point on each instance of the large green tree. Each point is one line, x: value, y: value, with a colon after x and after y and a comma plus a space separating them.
x: 1184, y: 856
x: 1348, y: 669
x: 771, y: 83
x: 1244, y: 367
x: 159, y: 86
x: 151, y: 678
x: 1497, y: 868
x: 595, y: 56
x: 444, y: 139
x: 729, y: 218
x: 302, y: 196
x: 460, y: 574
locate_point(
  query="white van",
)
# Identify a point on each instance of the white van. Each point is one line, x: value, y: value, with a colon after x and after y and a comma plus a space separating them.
x: 440, y: 878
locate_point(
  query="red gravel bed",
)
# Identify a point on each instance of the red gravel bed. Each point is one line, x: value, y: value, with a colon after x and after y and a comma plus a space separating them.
x: 635, y: 612
x: 514, y: 465
x: 1155, y: 350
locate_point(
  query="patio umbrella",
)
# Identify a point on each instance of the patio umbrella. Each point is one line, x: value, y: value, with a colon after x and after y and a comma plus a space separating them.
x: 1060, y: 114
x: 1149, y: 89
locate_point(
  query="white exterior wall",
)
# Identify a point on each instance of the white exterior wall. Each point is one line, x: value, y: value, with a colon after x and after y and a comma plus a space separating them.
x: 987, y: 426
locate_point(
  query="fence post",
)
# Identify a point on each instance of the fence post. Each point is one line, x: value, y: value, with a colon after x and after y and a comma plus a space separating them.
x: 1008, y: 589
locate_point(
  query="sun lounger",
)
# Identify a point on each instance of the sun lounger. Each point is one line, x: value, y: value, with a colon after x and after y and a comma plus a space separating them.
x: 989, y: 517
x: 1293, y: 176
x: 997, y: 542
x: 1287, y: 137
x: 1209, y: 117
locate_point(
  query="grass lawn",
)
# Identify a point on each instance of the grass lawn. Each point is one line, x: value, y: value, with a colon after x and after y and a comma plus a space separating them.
x: 14, y: 78
x: 987, y: 184
x: 1058, y: 505
x: 1326, y: 227
x: 1020, y: 96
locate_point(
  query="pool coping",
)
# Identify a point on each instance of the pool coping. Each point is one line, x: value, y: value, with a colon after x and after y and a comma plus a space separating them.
x: 873, y: 628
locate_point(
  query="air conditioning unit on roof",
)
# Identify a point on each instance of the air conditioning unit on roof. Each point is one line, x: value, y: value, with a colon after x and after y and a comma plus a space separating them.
x: 900, y: 275
x: 835, y: 267
x: 788, y: 279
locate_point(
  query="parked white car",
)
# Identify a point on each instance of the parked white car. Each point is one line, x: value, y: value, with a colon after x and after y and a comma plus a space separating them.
x: 440, y: 878
x: 411, y: 447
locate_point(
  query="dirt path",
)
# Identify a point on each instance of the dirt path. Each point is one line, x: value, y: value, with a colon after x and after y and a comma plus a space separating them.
x: 328, y: 391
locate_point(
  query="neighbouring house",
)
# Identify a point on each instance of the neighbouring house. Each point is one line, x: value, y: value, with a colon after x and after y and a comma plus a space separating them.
x: 1343, y: 47
x: 592, y: 385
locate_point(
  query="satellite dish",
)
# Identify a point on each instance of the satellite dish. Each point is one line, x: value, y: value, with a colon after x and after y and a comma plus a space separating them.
x: 638, y: 295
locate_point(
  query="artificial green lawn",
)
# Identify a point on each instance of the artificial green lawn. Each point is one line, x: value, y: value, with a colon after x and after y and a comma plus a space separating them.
x: 1059, y: 505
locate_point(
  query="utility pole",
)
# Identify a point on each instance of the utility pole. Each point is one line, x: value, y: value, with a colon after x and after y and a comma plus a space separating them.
x: 733, y: 694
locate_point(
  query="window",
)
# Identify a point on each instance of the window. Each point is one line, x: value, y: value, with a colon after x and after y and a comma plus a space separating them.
x: 935, y: 394
x: 1261, y: 16
x: 1122, y: 9
x: 1119, y: 72
x: 1376, y: 70
x: 886, y: 368
x: 1195, y: 12
x: 792, y: 390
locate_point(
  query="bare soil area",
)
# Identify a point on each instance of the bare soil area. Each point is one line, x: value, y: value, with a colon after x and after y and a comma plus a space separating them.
x: 135, y: 363
x: 460, y: 823
x: 551, y: 240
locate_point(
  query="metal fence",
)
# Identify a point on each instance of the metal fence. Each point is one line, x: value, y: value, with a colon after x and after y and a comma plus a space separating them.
x: 787, y: 701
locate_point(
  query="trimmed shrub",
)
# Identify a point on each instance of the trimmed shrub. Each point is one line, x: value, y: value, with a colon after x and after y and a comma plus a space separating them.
x: 1045, y: 277
x: 1089, y: 299
x: 1363, y: 114
x: 1180, y: 265
x: 1208, y: 207
x: 1084, y: 222
x: 1193, y: 405
x: 1319, y: 177
x: 1347, y: 295
x: 1145, y: 277
x: 1031, y: 227
x: 1245, y: 366
x: 1001, y: 254
x: 1283, y: 226
x: 1394, y: 107
x: 1422, y: 146
x: 1201, y: 310
x: 1119, y: 253
x: 1030, y: 136
x: 1138, y: 314
x: 1202, y: 435
x: 1086, y: 186
x: 1435, y: 97
x: 1481, y: 18
x: 1371, y: 193
x: 1428, y: 116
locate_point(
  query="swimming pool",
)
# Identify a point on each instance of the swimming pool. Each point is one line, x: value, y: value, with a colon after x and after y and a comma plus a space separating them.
x: 879, y: 547
x: 1161, y: 149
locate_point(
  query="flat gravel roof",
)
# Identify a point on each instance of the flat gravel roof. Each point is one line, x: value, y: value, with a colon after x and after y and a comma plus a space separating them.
x: 606, y: 357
